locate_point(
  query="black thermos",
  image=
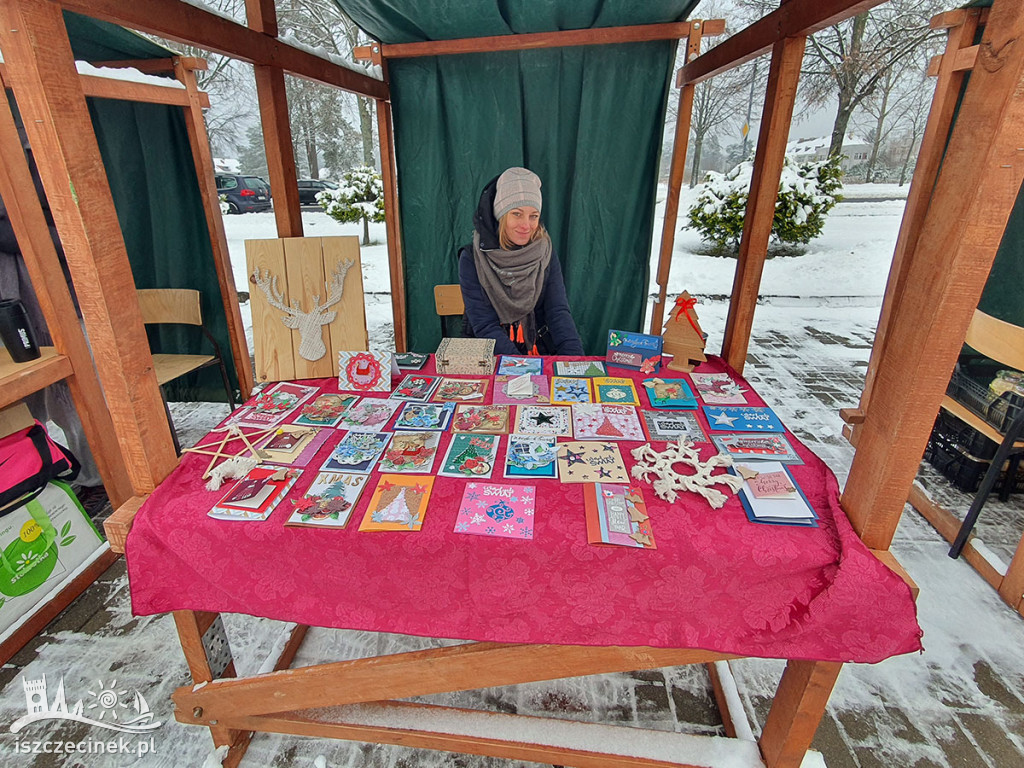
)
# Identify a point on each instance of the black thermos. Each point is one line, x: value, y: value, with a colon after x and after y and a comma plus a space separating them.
x: 16, y: 331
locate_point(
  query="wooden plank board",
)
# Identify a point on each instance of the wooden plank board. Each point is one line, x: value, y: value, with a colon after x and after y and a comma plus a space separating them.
x: 348, y: 330
x: 304, y: 270
x: 119, y: 523
x: 272, y: 343
x: 19, y: 380
x: 277, y: 141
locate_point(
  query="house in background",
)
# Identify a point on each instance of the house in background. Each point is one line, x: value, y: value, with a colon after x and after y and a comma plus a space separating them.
x: 856, y: 150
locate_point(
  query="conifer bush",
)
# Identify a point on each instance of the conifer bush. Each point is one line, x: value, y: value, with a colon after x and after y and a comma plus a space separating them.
x: 807, y: 192
x: 359, y: 197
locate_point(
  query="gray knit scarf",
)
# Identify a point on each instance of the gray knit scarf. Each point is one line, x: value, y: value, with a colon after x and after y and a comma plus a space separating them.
x: 513, y: 280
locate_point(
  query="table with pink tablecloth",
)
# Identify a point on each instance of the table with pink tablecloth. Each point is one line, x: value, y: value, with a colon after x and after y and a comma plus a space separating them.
x: 716, y: 581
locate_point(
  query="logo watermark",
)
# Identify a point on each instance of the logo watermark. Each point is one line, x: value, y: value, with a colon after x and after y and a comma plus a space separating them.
x: 111, y: 709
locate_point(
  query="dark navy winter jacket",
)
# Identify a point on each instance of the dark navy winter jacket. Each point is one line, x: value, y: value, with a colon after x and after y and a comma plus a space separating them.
x: 556, y: 330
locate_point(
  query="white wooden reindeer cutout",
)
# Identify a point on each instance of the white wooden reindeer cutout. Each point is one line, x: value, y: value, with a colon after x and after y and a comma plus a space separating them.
x: 307, y: 305
x: 308, y: 324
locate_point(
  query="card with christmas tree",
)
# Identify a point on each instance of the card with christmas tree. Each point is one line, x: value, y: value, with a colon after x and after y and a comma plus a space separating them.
x: 587, y: 368
x: 601, y: 421
x: 497, y: 510
x: 580, y: 462
x: 410, y: 452
x: 553, y: 420
x: 486, y: 419
x: 325, y: 411
x: 329, y: 501
x: 470, y: 455
x: 399, y: 503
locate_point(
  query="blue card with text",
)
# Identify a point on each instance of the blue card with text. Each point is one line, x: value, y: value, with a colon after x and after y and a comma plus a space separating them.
x: 738, y: 418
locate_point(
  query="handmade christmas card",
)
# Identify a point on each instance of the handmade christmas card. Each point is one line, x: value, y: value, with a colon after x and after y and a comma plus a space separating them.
x: 718, y: 389
x: 410, y: 452
x: 600, y: 421
x: 531, y: 456
x: 552, y: 420
x: 292, y: 445
x: 725, y: 418
x: 516, y: 366
x: 568, y: 390
x: 256, y: 495
x: 411, y: 360
x: 754, y: 447
x: 369, y: 415
x: 461, y: 390
x: 497, y: 510
x: 612, y: 389
x: 670, y: 426
x: 470, y: 455
x: 585, y: 368
x: 640, y: 351
x: 519, y: 390
x: 357, y: 452
x: 770, y: 495
x: 424, y: 416
x: 273, y: 405
x: 416, y: 386
x: 580, y: 462
x: 364, y: 371
x: 399, y: 503
x: 487, y: 419
x: 329, y: 501
x: 670, y: 394
x: 325, y: 410
x: 616, y: 515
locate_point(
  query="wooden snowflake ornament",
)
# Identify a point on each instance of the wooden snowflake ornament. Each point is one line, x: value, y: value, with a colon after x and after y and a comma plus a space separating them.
x: 667, y: 483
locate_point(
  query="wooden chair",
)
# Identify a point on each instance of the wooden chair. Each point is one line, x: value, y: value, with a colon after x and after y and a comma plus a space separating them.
x: 448, y: 302
x: 180, y: 306
x: 1004, y: 343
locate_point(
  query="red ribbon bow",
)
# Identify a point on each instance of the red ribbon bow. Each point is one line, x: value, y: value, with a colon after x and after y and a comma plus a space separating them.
x: 683, y: 307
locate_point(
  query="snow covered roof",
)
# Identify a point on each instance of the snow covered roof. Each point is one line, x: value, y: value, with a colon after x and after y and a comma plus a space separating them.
x: 820, y: 145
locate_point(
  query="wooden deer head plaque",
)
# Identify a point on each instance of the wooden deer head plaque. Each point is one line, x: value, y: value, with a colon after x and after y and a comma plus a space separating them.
x: 306, y: 295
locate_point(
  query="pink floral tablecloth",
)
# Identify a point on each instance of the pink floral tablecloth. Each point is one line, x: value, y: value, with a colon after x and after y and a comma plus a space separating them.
x: 715, y: 581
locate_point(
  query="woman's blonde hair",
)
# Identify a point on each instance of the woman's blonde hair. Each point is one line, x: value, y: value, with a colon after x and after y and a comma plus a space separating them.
x: 506, y: 242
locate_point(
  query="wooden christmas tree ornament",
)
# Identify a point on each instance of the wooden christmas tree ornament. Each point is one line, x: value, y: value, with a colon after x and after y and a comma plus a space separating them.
x: 683, y: 337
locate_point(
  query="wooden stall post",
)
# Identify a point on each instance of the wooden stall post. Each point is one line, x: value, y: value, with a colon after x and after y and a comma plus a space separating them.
x: 41, y: 68
x: 796, y: 711
x: 971, y: 204
x: 389, y: 170
x: 780, y: 96
x: 184, y: 70
x: 277, y: 130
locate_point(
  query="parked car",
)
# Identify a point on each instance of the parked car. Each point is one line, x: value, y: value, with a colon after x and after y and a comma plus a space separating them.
x: 244, y: 194
x: 308, y: 189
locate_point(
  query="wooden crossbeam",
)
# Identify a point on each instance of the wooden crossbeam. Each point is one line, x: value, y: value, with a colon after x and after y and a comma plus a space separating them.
x: 125, y: 90
x: 420, y: 673
x: 796, y: 18
x: 189, y: 24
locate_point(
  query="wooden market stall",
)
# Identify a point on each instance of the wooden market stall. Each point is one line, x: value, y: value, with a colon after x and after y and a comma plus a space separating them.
x: 943, y: 278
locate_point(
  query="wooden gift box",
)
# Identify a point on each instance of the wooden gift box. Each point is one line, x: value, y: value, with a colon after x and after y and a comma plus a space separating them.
x: 469, y: 357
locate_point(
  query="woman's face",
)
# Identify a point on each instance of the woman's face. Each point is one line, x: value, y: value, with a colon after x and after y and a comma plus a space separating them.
x: 521, y: 223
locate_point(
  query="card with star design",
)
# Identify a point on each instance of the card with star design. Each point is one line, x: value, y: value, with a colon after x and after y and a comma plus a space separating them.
x: 531, y: 456
x: 552, y: 420
x: 600, y: 421
x: 566, y: 390
x: 580, y: 462
x: 497, y: 510
x: 617, y: 516
x: 615, y: 390
x: 329, y: 501
x: 399, y: 503
x: 724, y: 418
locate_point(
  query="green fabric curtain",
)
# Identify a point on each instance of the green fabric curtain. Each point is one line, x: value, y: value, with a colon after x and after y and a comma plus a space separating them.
x: 588, y: 120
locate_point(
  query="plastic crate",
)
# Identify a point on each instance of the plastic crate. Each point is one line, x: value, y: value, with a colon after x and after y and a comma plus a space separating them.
x: 956, y: 436
x: 998, y: 411
x: 947, y: 453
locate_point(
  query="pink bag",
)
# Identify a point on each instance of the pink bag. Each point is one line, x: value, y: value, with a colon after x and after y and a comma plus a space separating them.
x: 28, y: 460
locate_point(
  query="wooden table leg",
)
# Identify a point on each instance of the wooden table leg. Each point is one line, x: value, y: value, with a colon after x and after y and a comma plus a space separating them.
x: 192, y: 625
x: 796, y: 711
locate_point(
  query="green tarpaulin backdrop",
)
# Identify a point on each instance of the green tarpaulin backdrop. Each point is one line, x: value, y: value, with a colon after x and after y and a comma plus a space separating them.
x: 588, y: 120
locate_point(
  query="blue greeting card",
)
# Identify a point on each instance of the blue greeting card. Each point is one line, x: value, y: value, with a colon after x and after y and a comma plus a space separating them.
x: 672, y: 394
x: 517, y: 366
x: 640, y: 351
x: 726, y: 418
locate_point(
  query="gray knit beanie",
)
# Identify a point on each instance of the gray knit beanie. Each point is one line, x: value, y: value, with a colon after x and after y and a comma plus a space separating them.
x: 516, y: 188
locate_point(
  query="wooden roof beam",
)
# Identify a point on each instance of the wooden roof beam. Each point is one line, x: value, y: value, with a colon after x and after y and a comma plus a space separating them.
x: 189, y: 24
x: 126, y: 90
x: 794, y: 18
x: 573, y: 37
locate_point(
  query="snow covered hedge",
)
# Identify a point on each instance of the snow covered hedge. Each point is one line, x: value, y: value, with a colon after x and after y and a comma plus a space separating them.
x: 807, y: 192
x: 359, y: 197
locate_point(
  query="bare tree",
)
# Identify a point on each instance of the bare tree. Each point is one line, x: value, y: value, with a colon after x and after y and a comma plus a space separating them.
x: 895, y: 106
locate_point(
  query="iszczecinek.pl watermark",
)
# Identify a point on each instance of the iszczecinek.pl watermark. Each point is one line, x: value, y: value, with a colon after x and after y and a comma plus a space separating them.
x: 111, y: 709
